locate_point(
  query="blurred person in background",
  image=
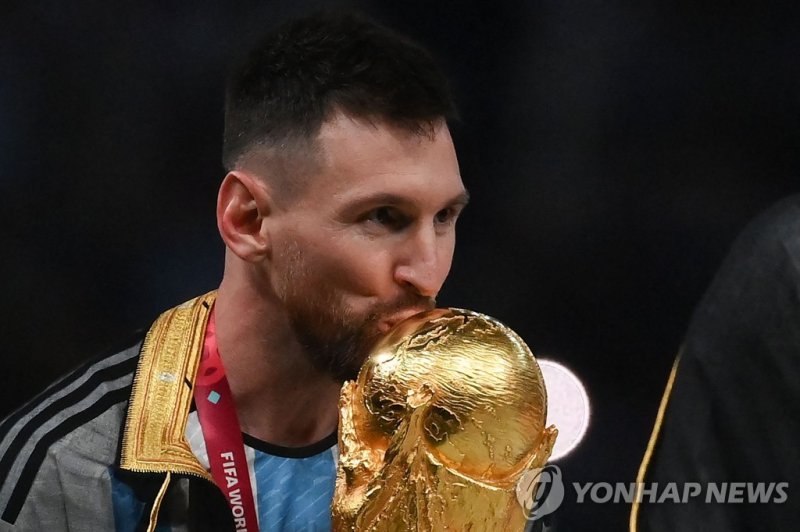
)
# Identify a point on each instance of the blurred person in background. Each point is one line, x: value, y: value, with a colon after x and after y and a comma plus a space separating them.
x: 730, y: 417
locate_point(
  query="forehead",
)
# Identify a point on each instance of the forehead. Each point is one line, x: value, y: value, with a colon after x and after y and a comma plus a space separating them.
x: 358, y: 157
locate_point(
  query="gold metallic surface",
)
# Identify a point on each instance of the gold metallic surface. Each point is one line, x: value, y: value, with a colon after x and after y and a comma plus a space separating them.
x: 446, y: 415
x: 154, y: 439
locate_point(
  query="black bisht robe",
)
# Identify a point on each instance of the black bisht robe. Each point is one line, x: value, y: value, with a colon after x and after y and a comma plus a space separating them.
x: 734, y: 409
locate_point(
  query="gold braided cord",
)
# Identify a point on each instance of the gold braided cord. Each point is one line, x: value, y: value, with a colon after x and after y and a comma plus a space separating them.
x: 651, y: 445
x: 151, y: 527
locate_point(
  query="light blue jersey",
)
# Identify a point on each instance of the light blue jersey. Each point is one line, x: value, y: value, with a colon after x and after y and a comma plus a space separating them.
x: 292, y: 486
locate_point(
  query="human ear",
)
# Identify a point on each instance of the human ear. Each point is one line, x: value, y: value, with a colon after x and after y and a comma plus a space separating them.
x: 243, y: 205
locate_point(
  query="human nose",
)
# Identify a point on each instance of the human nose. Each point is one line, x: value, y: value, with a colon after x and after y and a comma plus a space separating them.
x: 425, y: 261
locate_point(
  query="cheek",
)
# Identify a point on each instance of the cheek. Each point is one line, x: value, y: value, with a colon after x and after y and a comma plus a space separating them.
x: 446, y: 250
x: 352, y: 267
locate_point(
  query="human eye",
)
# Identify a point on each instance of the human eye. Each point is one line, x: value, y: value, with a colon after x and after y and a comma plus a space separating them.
x: 446, y: 216
x: 388, y: 217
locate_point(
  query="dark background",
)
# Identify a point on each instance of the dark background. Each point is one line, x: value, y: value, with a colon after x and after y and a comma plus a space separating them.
x: 613, y: 151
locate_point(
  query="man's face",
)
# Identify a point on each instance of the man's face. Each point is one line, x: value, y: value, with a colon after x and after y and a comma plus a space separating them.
x: 370, y: 241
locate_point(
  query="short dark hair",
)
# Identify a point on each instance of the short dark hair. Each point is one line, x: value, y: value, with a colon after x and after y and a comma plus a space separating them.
x: 309, y: 68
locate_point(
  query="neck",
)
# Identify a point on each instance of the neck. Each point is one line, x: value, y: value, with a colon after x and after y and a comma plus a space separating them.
x: 280, y: 397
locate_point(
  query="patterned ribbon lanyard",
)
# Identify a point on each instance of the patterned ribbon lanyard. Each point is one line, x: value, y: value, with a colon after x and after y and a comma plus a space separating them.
x: 222, y: 433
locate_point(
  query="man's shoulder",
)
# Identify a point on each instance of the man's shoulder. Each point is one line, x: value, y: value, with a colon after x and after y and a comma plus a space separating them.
x: 78, y: 418
x: 774, y: 231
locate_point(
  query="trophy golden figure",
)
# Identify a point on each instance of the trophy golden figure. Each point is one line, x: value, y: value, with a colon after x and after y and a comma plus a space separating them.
x: 445, y: 417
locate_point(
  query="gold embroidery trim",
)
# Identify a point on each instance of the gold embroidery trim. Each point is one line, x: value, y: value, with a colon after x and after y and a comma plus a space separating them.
x: 651, y: 445
x: 154, y: 439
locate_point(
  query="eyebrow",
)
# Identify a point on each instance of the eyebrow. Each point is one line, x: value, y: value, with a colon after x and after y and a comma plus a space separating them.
x: 385, y: 198
x: 461, y: 200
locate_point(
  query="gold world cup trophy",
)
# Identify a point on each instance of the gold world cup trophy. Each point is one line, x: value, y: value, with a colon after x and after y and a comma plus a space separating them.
x: 446, y: 415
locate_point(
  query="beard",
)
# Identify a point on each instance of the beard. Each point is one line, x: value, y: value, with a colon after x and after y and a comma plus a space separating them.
x: 335, y: 338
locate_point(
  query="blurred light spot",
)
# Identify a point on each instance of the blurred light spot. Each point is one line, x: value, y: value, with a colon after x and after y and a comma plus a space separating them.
x: 567, y: 406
